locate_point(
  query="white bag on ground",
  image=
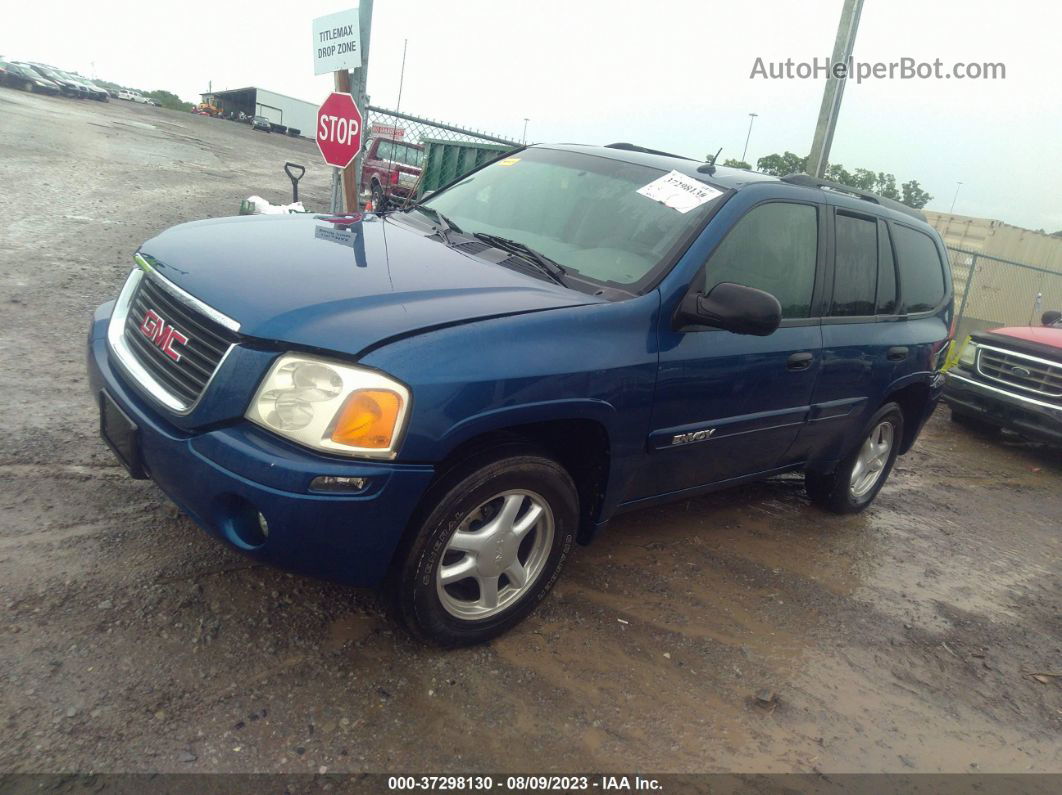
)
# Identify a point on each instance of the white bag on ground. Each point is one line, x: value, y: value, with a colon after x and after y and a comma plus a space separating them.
x: 256, y: 205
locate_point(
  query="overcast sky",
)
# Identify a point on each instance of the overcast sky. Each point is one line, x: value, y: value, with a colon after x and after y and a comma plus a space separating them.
x: 668, y: 74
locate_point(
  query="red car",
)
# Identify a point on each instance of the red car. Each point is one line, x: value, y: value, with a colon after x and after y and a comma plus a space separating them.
x: 1010, y: 378
x: 391, y: 170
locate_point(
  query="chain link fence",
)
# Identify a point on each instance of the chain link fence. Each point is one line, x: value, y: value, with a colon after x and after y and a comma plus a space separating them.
x: 420, y: 154
x: 386, y: 123
x: 992, y: 292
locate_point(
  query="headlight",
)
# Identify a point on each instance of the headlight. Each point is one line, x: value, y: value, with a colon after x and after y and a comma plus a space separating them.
x: 332, y: 407
x: 968, y: 357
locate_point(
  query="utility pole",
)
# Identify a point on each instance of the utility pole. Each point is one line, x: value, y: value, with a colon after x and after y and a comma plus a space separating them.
x: 352, y: 173
x: 752, y: 118
x: 831, y: 95
x: 524, y: 139
x: 955, y: 198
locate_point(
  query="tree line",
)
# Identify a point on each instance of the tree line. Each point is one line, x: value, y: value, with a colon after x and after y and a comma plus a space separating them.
x: 879, y: 182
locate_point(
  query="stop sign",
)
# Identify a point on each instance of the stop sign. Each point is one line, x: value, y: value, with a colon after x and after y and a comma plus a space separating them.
x: 339, y: 129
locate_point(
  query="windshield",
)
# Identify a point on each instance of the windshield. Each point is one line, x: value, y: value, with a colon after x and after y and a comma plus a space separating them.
x: 398, y: 152
x: 583, y: 211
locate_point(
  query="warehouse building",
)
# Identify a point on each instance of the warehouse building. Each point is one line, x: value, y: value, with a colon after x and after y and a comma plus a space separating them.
x: 1003, y: 275
x: 282, y: 110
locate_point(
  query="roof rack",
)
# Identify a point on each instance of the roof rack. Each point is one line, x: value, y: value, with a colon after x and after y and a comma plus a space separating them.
x: 635, y: 148
x: 814, y: 182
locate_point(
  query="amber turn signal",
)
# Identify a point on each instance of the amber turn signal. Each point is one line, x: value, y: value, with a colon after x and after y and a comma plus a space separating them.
x: 368, y: 419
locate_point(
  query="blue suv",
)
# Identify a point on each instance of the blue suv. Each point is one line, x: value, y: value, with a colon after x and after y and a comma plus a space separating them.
x: 442, y: 400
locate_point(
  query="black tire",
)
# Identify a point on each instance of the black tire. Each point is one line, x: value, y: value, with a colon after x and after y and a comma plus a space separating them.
x: 974, y: 423
x: 378, y: 197
x: 834, y: 491
x: 413, y: 589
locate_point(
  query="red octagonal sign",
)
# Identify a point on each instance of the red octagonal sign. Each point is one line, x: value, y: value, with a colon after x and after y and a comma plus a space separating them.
x: 339, y: 129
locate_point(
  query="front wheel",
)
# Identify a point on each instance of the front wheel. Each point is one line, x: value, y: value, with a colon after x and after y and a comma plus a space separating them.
x: 859, y: 477
x: 378, y: 198
x: 488, y: 545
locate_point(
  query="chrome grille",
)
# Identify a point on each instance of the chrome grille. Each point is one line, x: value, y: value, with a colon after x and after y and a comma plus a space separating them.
x: 1028, y: 373
x: 199, y: 357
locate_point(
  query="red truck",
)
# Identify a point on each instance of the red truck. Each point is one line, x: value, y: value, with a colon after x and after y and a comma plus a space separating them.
x: 390, y: 170
x: 1011, y: 378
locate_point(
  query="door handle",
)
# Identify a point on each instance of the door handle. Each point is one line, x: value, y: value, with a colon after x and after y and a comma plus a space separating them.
x: 799, y: 361
x: 897, y: 354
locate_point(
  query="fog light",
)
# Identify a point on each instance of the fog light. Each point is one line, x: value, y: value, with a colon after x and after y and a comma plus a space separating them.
x: 336, y: 483
x: 263, y: 525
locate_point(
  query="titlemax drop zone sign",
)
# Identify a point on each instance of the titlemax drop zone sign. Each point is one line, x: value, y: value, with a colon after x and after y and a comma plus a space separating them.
x: 336, y: 42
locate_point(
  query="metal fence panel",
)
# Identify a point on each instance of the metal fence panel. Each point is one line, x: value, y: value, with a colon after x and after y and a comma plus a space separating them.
x: 445, y: 161
x: 992, y: 292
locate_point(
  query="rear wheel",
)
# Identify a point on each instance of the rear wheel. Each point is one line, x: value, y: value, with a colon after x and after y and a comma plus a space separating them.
x: 487, y: 547
x: 859, y: 477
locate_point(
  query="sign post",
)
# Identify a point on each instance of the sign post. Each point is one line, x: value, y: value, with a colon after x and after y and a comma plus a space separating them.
x: 362, y: 77
x: 341, y: 43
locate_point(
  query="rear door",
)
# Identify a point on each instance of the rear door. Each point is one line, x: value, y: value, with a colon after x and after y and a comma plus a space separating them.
x: 730, y: 405
x: 860, y: 352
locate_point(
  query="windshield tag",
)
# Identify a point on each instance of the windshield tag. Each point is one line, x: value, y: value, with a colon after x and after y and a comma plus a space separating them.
x: 679, y: 192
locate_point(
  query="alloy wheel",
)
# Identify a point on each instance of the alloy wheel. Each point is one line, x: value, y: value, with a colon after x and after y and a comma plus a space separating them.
x: 495, y: 555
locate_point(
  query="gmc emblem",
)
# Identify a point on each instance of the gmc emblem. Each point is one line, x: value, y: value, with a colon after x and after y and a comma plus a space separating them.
x: 162, y: 334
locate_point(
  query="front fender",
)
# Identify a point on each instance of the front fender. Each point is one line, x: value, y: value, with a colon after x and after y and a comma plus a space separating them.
x: 596, y: 362
x: 543, y: 411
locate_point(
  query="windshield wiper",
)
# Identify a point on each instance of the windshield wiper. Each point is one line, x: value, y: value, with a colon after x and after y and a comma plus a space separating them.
x: 443, y: 224
x: 551, y: 268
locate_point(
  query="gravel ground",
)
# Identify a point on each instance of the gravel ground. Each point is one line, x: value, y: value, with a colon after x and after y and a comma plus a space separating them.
x: 744, y: 631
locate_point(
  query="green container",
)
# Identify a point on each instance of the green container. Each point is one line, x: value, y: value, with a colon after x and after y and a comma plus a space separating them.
x: 445, y: 161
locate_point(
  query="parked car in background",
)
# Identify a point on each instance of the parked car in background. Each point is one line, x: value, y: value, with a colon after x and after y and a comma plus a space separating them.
x: 67, y: 79
x: 97, y: 92
x: 24, y: 77
x: 126, y: 94
x: 1010, y: 378
x: 390, y: 170
x: 140, y: 98
x: 68, y: 88
x: 261, y: 123
x: 451, y: 398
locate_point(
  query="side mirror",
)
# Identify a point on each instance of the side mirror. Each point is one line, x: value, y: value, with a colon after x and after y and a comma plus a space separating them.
x: 732, y: 307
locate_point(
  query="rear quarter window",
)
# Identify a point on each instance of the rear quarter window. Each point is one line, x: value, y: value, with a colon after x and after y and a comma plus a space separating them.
x: 920, y: 268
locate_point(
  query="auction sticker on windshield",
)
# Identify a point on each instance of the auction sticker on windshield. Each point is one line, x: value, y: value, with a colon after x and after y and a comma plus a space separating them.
x: 679, y: 192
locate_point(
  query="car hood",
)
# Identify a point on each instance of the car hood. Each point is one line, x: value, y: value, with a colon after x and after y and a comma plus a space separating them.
x: 1041, y: 335
x: 1045, y: 342
x: 341, y: 284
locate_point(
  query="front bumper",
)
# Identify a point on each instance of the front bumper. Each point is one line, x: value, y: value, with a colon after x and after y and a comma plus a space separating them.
x: 1032, y: 418
x: 225, y: 475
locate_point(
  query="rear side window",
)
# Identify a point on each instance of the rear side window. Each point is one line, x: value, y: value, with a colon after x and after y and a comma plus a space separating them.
x: 773, y: 247
x: 921, y: 274
x: 855, y: 275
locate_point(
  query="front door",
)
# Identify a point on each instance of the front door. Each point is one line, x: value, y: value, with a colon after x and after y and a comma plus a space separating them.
x: 730, y: 405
